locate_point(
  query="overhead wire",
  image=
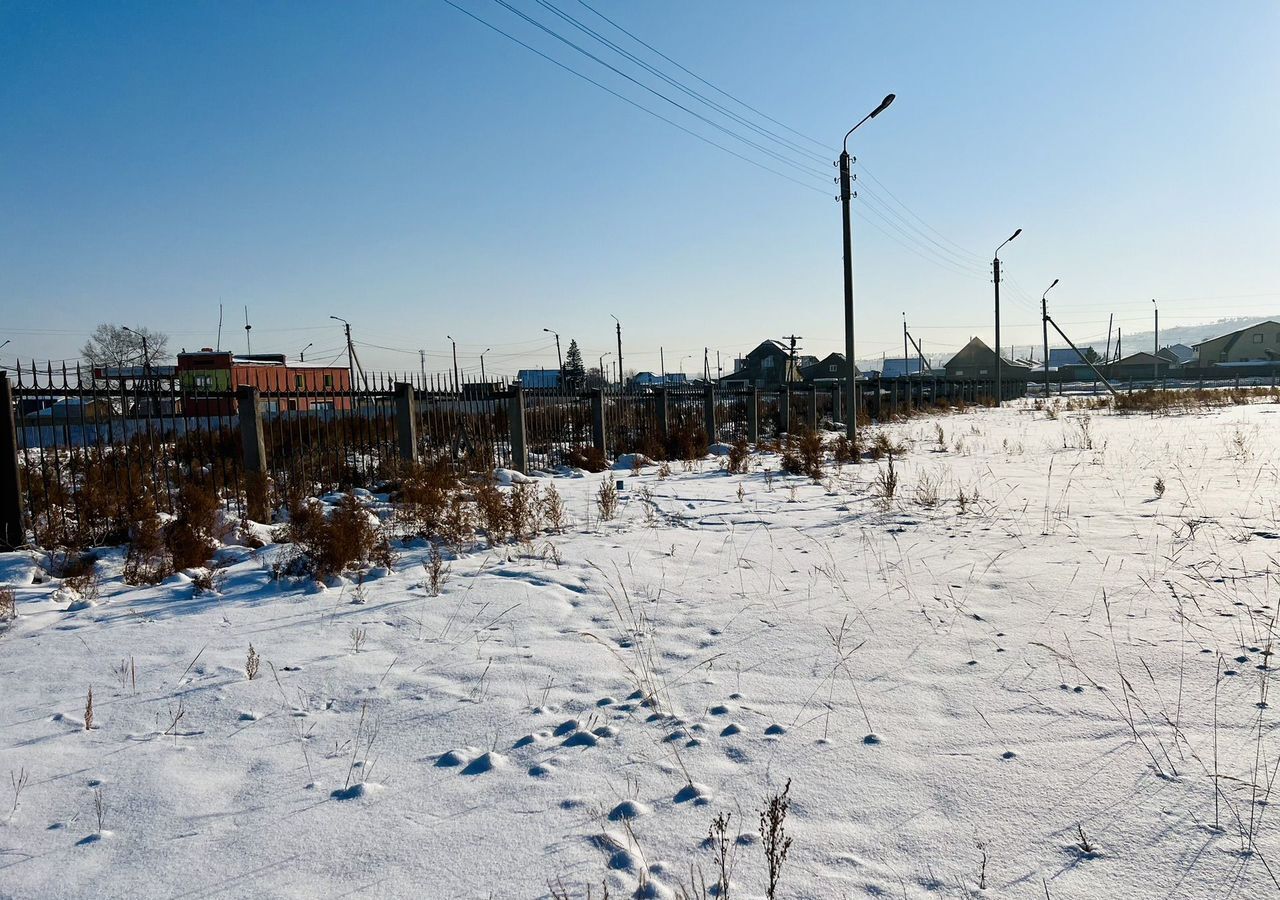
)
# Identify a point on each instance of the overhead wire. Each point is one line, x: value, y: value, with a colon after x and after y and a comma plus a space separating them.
x: 631, y: 102
x: 779, y: 157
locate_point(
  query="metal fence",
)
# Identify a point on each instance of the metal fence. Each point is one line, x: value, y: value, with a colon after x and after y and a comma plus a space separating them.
x: 89, y: 450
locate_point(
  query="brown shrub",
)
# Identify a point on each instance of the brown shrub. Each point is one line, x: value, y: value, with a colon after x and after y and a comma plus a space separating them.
x: 344, y: 540
x: 845, y: 451
x: 147, y: 560
x: 739, y: 457
x: 191, y: 538
x: 686, y: 441
x: 589, y: 458
x: 493, y: 512
x: 803, y: 454
x: 424, y: 497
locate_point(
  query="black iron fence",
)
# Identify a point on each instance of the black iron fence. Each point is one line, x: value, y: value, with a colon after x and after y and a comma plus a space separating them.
x: 88, y: 451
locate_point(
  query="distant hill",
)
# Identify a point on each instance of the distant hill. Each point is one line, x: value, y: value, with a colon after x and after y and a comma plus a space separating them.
x: 1182, y: 334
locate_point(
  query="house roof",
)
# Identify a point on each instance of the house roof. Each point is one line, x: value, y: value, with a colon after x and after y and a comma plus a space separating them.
x: 978, y: 347
x: 1065, y: 356
x: 893, y: 367
x: 539, y: 378
x: 1235, y: 335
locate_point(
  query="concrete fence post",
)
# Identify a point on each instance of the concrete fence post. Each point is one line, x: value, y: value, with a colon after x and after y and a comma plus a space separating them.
x: 515, y: 429
x: 13, y: 532
x: 597, y: 420
x: 709, y: 413
x: 253, y: 447
x: 753, y: 416
x: 784, y: 409
x: 406, y: 422
x: 835, y: 402
x: 813, y: 408
x: 664, y: 414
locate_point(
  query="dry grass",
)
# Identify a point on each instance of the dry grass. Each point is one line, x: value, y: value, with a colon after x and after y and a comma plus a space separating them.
x: 8, y: 605
x: 326, y: 546
x: 803, y: 454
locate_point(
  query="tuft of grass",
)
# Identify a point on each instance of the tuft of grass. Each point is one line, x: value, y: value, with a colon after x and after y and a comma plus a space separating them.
x: 607, y: 498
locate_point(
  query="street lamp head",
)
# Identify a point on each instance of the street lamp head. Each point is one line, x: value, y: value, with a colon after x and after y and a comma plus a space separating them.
x: 884, y: 104
x: 337, y: 319
x: 1014, y: 235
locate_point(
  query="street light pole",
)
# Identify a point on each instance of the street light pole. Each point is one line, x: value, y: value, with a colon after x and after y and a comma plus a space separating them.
x: 302, y: 354
x: 455, y: 361
x: 619, y: 327
x: 559, y: 358
x: 996, y: 268
x: 846, y: 191
x: 351, y: 361
x: 1044, y: 324
x: 482, y: 378
x: 603, y: 376
x: 1155, y: 359
x: 146, y: 357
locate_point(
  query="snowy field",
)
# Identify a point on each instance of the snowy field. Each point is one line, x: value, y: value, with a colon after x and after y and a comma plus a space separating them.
x: 1056, y: 686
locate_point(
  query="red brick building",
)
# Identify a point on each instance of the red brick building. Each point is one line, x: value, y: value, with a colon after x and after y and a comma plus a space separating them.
x: 285, y: 386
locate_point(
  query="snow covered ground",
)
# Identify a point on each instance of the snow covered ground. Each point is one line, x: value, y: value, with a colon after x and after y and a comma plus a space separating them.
x: 1046, y: 677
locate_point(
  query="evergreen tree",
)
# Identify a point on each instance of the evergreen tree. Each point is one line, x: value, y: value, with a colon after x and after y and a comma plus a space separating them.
x: 574, y: 373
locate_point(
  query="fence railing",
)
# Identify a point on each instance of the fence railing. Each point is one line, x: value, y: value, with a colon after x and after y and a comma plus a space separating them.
x: 86, y: 452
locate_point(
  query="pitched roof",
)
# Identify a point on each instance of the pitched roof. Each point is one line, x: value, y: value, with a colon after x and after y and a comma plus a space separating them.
x: 1236, y: 334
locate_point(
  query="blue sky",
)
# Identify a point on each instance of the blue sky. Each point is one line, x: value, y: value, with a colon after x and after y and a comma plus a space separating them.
x: 403, y: 166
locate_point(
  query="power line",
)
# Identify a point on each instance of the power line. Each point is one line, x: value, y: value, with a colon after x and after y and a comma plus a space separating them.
x: 679, y: 85
x: 702, y: 80
x: 661, y: 96
x: 628, y: 100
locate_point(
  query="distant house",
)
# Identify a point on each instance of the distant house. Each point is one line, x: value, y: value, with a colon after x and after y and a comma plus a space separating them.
x: 829, y: 369
x: 206, y: 377
x: 1257, y: 343
x: 1065, y: 356
x: 977, y: 360
x: 534, y: 379
x: 1183, y: 353
x: 670, y: 379
x: 767, y: 366
x: 896, y: 367
x: 1139, y: 365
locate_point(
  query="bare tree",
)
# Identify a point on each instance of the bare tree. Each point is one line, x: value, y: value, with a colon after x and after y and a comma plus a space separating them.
x: 111, y: 346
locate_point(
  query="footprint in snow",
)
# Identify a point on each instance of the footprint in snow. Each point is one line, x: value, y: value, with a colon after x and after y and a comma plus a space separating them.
x: 628, y: 809
x: 731, y: 729
x: 775, y: 729
x: 485, y: 763
x: 459, y: 756
x: 695, y: 793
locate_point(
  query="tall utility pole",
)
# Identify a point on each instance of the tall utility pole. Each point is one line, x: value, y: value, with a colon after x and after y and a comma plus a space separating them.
x: 559, y: 358
x: 603, y: 376
x: 846, y: 191
x: 455, y: 362
x: 906, y: 364
x: 302, y: 354
x: 483, y: 380
x: 619, y: 327
x: 662, y: 364
x: 1044, y: 323
x: 1110, y: 322
x: 351, y: 359
x: 1155, y: 350
x: 706, y: 363
x: 995, y: 264
x: 422, y: 364
x: 247, y: 328
x: 791, y: 353
x: 719, y: 370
